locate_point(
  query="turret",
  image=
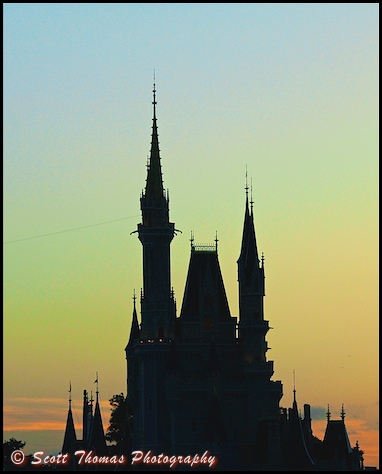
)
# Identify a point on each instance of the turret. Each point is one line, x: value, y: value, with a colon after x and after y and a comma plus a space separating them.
x: 134, y: 331
x: 252, y: 326
x: 97, y: 441
x: 156, y: 233
x: 70, y: 439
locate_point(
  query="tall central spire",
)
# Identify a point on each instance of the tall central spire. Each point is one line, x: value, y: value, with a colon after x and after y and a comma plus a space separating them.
x: 154, y: 191
x: 156, y: 233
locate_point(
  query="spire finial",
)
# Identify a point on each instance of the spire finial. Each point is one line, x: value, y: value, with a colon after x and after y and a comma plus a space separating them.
x: 251, y: 201
x: 70, y: 394
x: 192, y: 240
x: 342, y: 413
x: 294, y: 386
x: 246, y: 181
x: 154, y: 97
x: 216, y: 241
x: 134, y: 299
x: 262, y: 259
x: 96, y: 382
x: 328, y: 413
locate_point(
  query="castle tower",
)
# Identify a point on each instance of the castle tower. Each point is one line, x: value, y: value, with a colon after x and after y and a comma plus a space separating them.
x: 252, y: 326
x: 156, y: 233
x: 149, y: 345
x: 263, y: 395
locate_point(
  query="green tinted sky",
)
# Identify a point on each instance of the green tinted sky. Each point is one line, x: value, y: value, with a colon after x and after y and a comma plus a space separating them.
x: 290, y: 90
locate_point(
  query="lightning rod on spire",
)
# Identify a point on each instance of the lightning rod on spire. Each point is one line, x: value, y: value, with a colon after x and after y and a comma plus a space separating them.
x: 154, y: 96
x: 96, y: 382
x: 246, y: 181
x: 251, y: 201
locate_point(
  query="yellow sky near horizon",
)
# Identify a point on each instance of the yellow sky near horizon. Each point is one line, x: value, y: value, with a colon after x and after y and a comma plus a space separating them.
x: 25, y: 416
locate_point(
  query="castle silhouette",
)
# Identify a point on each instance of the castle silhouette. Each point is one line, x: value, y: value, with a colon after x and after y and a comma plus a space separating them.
x: 201, y: 381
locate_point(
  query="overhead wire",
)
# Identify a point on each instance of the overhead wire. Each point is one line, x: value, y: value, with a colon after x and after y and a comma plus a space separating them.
x: 69, y: 230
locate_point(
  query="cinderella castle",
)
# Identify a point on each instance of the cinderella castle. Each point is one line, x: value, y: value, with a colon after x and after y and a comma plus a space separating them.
x: 201, y: 381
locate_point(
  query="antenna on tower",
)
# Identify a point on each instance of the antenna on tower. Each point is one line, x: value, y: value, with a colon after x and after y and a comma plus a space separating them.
x: 294, y: 386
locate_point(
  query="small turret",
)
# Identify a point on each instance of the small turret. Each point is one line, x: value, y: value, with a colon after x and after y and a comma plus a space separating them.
x: 97, y: 441
x: 70, y: 439
x: 134, y: 331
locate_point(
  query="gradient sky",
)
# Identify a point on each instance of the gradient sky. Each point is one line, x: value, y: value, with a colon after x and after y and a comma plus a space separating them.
x: 288, y: 90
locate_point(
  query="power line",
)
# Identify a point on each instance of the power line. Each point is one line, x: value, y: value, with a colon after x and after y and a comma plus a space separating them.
x: 69, y: 230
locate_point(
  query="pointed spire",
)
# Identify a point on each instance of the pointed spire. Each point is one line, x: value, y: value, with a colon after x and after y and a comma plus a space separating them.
x: 70, y: 438
x: 297, y: 457
x: 134, y: 331
x: 97, y: 434
x: 154, y: 191
x: 248, y: 255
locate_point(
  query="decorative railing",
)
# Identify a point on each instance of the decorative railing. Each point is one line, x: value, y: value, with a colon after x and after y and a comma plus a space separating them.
x: 204, y: 247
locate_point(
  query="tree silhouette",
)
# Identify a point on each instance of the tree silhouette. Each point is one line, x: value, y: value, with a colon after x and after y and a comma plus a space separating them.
x: 116, y: 431
x: 8, y: 448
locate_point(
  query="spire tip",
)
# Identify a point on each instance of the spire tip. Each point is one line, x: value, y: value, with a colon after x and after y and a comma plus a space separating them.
x: 70, y: 394
x: 246, y: 181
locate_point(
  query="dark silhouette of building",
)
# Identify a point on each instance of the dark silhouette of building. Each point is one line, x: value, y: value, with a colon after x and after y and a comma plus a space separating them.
x: 201, y: 381
x: 93, y: 436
